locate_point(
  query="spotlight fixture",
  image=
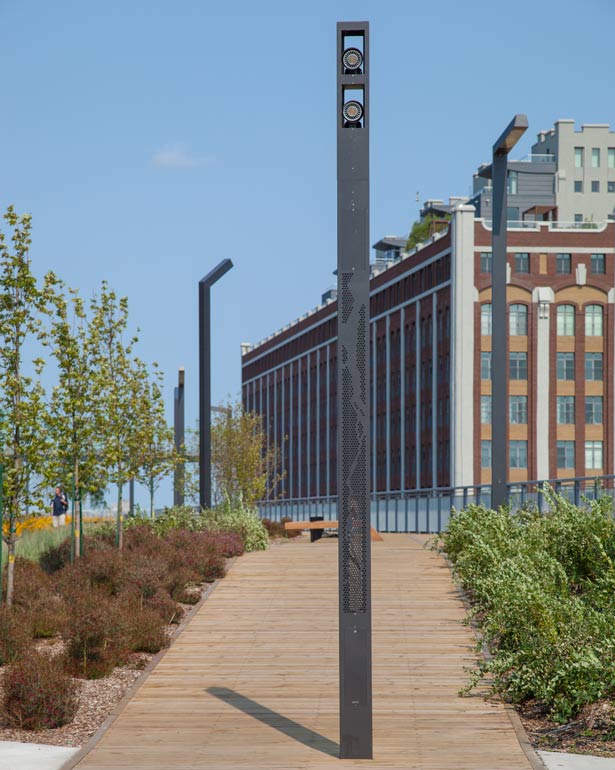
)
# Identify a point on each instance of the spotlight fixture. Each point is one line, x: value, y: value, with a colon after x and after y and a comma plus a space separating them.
x: 352, y: 60
x: 352, y: 111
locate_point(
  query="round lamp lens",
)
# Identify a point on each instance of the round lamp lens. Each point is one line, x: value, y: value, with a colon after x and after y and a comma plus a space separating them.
x: 353, y: 59
x: 353, y: 111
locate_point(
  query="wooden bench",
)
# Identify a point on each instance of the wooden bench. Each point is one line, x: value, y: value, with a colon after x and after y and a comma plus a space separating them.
x: 332, y: 524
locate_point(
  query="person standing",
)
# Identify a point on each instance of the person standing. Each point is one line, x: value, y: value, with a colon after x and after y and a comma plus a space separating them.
x: 59, y: 507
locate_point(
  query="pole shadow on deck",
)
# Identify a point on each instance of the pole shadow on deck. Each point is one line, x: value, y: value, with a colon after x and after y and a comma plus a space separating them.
x: 275, y: 720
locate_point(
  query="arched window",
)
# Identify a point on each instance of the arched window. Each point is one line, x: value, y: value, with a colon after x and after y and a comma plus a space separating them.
x: 485, y: 319
x: 518, y: 320
x: 565, y: 320
x: 593, y: 320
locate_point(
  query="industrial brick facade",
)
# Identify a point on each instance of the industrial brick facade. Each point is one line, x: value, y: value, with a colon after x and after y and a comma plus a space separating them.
x: 429, y: 386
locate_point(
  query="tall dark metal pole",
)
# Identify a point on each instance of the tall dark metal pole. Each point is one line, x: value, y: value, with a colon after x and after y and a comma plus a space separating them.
x: 179, y: 439
x: 355, y: 647
x: 499, y: 315
x: 205, y: 285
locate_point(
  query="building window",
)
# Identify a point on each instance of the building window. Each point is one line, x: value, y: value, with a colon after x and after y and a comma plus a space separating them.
x: 578, y: 186
x: 565, y: 366
x: 485, y: 453
x: 563, y: 263
x: 593, y: 366
x: 578, y: 217
x: 518, y: 454
x: 485, y: 319
x: 517, y: 323
x: 595, y: 186
x: 485, y: 410
x: 593, y: 410
x: 518, y: 366
x: 522, y: 263
x: 513, y: 183
x: 593, y: 321
x: 565, y: 454
x: 593, y: 455
x: 610, y: 187
x: 578, y: 157
x: 565, y: 410
x: 595, y: 157
x: 611, y: 157
x: 485, y: 365
x: 486, y: 262
x: 518, y: 410
x: 565, y: 320
x: 598, y: 263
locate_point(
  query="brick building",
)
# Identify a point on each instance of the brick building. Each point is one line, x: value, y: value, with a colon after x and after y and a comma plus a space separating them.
x: 430, y: 363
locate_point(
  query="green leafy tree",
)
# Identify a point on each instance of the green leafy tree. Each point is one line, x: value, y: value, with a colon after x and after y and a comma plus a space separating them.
x: 244, y: 468
x: 115, y: 390
x: 22, y: 400
x: 76, y: 457
x: 424, y: 229
x: 155, y: 450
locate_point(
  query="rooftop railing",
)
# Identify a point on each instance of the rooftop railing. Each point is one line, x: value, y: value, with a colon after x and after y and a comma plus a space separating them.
x: 429, y: 510
x: 533, y: 158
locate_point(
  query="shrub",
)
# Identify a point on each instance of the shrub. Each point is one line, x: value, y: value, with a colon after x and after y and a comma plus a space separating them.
x: 38, y: 694
x: 14, y: 634
x: 241, y: 520
x: 34, y: 593
x: 199, y: 552
x: 168, y: 609
x: 97, y: 633
x: 147, y: 630
x: 543, y: 591
x: 276, y: 528
x: 55, y: 557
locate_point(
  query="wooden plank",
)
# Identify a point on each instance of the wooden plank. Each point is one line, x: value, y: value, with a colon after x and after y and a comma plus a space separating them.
x: 252, y: 681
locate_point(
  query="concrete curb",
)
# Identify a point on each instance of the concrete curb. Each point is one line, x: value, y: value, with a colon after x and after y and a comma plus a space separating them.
x: 73, y: 761
x: 533, y: 758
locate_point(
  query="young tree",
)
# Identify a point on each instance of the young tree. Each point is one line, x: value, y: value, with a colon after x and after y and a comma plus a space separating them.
x: 156, y: 453
x: 115, y: 391
x: 23, y: 440
x: 76, y: 455
x: 244, y: 468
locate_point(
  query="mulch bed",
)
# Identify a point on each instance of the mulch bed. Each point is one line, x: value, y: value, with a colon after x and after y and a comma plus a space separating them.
x: 591, y: 732
x: 97, y: 698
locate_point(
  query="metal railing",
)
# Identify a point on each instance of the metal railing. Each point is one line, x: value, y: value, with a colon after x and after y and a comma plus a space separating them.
x: 534, y: 158
x: 429, y: 510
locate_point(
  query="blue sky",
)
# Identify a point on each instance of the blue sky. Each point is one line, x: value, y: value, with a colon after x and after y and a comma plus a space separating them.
x: 152, y: 139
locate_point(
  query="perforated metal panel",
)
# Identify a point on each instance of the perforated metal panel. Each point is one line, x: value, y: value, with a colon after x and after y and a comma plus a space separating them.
x: 354, y: 498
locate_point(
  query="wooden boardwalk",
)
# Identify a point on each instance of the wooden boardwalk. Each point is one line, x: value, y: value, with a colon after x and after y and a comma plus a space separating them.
x: 252, y: 680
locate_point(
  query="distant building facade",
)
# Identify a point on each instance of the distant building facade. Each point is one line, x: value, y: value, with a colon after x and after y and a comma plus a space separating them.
x: 568, y: 177
x: 430, y: 383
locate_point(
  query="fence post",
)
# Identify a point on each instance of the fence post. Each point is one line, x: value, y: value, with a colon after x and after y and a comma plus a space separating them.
x: 439, y: 511
x: 540, y: 494
x: 577, y: 492
x: 465, y: 497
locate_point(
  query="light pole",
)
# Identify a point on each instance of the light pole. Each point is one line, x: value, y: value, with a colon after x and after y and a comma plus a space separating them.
x: 179, y: 438
x: 353, y: 478
x: 499, y: 330
x: 205, y: 285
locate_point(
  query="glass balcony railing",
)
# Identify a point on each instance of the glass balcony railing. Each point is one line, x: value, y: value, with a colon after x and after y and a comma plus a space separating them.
x: 533, y: 158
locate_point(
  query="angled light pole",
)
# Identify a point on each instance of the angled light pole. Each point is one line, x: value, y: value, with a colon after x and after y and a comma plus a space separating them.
x: 179, y: 439
x: 499, y: 328
x: 353, y: 477
x: 205, y: 285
